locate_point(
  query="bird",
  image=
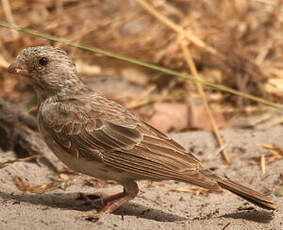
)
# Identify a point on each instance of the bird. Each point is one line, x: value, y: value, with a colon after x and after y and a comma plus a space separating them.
x: 98, y: 137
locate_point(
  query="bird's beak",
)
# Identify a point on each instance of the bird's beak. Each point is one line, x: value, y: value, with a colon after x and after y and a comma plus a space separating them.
x: 18, y: 67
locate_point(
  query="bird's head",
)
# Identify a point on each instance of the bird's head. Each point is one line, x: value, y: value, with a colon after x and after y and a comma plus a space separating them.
x: 48, y: 69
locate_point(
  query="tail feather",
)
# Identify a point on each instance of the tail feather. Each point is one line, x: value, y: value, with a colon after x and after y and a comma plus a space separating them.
x: 248, y: 194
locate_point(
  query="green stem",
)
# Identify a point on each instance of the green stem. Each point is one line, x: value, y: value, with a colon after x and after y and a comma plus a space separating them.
x: 137, y: 62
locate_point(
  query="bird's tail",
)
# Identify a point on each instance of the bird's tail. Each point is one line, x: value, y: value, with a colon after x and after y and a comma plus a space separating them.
x: 248, y: 194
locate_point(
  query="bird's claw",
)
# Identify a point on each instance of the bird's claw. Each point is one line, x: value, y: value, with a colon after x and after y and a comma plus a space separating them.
x: 93, y: 200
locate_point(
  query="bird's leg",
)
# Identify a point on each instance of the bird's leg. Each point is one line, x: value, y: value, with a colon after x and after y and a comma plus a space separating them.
x: 114, y: 202
x: 91, y: 199
x: 108, y: 208
x: 99, y: 201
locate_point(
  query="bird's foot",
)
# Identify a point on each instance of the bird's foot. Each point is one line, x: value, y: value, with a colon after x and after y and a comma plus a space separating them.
x: 96, y: 200
x: 112, y: 203
x: 92, y: 199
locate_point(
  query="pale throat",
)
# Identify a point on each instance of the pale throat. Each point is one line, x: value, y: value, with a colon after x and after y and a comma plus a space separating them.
x: 65, y: 86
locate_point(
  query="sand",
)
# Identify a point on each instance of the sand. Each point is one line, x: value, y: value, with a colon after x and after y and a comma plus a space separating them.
x: 156, y: 206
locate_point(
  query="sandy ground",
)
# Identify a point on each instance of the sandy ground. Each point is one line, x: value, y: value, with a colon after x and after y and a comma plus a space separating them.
x: 155, y: 207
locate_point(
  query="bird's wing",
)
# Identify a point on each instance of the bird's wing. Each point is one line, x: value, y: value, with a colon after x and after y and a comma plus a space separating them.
x: 99, y: 129
x: 81, y: 125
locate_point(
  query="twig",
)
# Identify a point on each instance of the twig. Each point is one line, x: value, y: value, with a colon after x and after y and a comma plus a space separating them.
x: 8, y: 13
x: 191, y: 37
x: 226, y: 226
x: 262, y: 119
x: 201, y: 92
x: 262, y: 164
x: 3, y: 62
x: 144, y: 64
x: 276, y: 122
x: 9, y: 162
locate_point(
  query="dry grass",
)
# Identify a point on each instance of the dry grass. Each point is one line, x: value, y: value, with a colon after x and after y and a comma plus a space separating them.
x: 247, y: 34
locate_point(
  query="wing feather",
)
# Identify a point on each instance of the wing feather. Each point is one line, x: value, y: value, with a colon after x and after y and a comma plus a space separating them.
x: 113, y: 135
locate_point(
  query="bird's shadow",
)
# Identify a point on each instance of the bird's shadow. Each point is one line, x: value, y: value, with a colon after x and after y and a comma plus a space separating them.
x: 69, y: 201
x: 259, y: 216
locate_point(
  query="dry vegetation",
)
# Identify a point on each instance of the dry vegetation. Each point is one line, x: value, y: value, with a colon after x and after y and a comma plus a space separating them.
x: 247, y: 35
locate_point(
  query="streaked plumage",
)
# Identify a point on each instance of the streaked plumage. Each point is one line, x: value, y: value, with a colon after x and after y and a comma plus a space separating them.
x: 100, y: 138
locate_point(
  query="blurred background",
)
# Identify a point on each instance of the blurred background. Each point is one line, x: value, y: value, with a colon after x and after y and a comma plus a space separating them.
x: 234, y: 43
x: 248, y: 34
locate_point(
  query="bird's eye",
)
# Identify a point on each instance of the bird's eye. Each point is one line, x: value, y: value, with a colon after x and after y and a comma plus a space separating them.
x: 43, y: 61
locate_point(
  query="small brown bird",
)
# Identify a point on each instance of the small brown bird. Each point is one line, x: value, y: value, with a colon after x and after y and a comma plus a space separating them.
x: 98, y: 137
